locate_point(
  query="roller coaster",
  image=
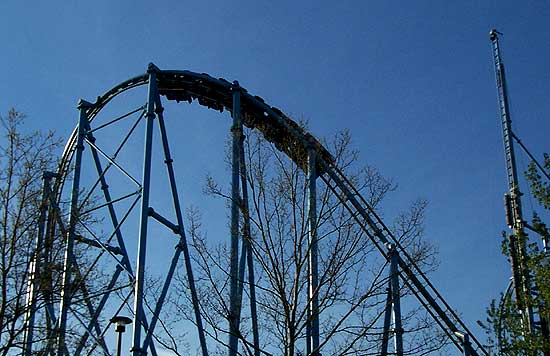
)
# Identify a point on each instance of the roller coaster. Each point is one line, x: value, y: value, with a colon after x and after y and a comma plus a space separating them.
x: 81, y: 318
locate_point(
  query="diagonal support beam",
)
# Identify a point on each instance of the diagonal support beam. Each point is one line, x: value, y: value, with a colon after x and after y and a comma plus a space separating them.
x: 247, y: 247
x: 182, y: 245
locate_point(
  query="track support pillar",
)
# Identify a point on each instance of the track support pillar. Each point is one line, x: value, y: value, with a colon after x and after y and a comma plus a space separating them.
x: 139, y: 315
x: 312, y: 331
x: 35, y: 266
x: 234, y: 303
x: 67, y: 286
x: 393, y: 308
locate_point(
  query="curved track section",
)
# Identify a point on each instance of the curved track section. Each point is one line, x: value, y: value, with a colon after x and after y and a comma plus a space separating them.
x: 216, y: 94
x: 297, y: 144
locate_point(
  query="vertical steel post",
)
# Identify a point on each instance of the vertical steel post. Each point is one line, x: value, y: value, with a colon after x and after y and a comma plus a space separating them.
x: 387, y: 321
x: 313, y: 295
x: 49, y: 302
x: 396, y: 301
x: 139, y: 314
x: 247, y: 242
x: 234, y: 307
x: 66, y: 286
x: 182, y: 245
x: 245, y: 245
x: 36, y: 266
x: 466, y: 345
x: 118, y: 234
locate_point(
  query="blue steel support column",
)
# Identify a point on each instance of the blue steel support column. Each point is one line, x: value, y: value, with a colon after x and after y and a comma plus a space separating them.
x: 66, y: 287
x: 466, y: 345
x: 387, y: 321
x: 313, y: 295
x: 247, y: 242
x: 47, y: 292
x: 118, y: 234
x: 234, y: 307
x: 139, y: 314
x: 35, y: 267
x: 396, y: 301
x: 182, y: 245
x: 120, y: 239
x: 245, y: 245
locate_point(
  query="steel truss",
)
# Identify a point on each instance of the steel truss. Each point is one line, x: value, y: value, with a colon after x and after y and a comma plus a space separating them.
x: 91, y: 309
x: 521, y: 288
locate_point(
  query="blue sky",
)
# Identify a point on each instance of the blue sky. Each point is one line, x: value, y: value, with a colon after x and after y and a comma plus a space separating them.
x: 412, y: 80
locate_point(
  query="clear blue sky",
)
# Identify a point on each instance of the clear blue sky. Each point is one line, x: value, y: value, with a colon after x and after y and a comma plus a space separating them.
x: 413, y: 80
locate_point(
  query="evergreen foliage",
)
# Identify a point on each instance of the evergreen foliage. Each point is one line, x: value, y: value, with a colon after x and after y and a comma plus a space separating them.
x: 504, y: 322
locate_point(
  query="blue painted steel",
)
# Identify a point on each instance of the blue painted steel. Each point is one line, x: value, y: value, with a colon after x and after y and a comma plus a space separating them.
x: 387, y: 321
x: 116, y: 226
x: 253, y: 307
x: 396, y: 301
x: 182, y: 245
x: 51, y: 318
x: 108, y: 199
x: 86, y: 299
x: 467, y: 346
x: 36, y: 266
x: 247, y: 242
x: 161, y: 219
x: 160, y: 302
x: 112, y: 162
x: 242, y: 268
x: 313, y: 295
x: 83, y: 106
x: 292, y: 140
x: 380, y: 235
x: 234, y: 305
x: 139, y: 315
x: 100, y: 306
x: 102, y: 172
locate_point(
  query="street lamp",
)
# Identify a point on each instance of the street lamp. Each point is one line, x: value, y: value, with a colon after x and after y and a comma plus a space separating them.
x: 120, y: 327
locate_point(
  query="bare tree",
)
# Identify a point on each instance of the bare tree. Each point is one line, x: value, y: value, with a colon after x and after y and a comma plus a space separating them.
x: 23, y: 159
x: 352, y: 275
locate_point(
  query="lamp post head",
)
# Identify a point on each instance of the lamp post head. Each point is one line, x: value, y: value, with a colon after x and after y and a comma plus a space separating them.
x: 120, y: 323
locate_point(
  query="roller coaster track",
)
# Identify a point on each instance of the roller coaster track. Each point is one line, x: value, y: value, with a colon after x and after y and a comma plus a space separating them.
x: 296, y: 143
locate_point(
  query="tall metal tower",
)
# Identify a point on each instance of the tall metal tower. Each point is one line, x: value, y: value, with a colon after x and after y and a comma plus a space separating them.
x: 514, y: 216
